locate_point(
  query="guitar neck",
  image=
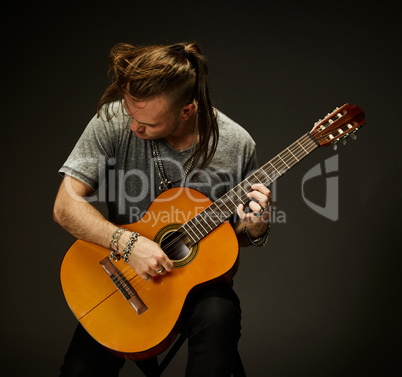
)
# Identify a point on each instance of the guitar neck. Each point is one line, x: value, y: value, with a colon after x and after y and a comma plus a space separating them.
x: 219, y: 211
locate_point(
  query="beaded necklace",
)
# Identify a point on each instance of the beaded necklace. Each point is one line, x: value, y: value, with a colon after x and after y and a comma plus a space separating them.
x: 165, y: 183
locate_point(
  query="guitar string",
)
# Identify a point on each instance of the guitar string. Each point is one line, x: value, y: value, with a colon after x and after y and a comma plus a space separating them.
x: 295, y: 150
x: 274, y: 163
x: 220, y: 204
x: 277, y: 163
x: 281, y: 165
x: 297, y: 153
x: 298, y: 150
x: 137, y: 282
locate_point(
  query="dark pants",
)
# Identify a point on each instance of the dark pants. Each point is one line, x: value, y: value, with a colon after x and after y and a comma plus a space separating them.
x: 211, y: 322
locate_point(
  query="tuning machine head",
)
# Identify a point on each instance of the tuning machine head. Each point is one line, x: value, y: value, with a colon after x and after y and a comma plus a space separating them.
x: 335, y: 145
x: 344, y: 139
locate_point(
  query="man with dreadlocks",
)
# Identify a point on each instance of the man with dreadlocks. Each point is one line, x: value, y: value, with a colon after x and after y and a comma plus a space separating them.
x: 156, y: 129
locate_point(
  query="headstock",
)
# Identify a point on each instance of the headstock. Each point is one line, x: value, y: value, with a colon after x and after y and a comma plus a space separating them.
x: 338, y: 125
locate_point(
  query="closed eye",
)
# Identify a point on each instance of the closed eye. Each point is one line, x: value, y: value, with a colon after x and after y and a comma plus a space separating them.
x: 142, y: 123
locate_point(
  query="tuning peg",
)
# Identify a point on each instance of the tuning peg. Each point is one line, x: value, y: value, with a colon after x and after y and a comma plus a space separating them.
x: 344, y: 139
x: 335, y: 145
x: 353, y: 135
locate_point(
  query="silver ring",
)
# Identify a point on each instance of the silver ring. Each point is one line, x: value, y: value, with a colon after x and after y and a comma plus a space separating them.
x: 266, y: 207
x: 161, y: 270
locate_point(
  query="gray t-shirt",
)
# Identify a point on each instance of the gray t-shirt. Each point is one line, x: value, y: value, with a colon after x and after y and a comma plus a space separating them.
x: 109, y: 152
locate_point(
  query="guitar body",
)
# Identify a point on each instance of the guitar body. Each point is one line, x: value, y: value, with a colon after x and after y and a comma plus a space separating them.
x: 103, y: 310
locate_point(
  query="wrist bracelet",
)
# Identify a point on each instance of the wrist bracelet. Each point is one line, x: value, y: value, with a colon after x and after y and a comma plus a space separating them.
x: 129, y: 245
x: 259, y: 241
x: 114, y: 244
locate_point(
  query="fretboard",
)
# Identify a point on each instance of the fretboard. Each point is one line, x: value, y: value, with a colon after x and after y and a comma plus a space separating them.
x: 219, y: 211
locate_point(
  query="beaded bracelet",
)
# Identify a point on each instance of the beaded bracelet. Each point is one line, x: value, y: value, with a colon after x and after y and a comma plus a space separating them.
x: 260, y: 241
x: 129, y: 245
x: 114, y: 244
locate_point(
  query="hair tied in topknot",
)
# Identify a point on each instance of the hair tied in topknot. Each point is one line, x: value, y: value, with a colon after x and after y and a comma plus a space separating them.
x: 190, y: 58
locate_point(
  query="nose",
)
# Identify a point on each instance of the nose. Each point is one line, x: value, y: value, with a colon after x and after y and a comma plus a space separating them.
x: 137, y: 127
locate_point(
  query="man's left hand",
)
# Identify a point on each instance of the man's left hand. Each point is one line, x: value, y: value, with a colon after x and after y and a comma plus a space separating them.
x: 257, y: 221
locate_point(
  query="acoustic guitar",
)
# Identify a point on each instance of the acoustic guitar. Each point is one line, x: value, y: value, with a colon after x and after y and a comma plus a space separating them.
x: 138, y: 319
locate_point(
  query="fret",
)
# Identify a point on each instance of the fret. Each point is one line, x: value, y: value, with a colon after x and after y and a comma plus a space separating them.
x: 284, y: 162
x: 279, y: 166
x: 215, y: 212
x: 192, y: 239
x: 234, y: 198
x: 201, y: 222
x: 205, y: 223
x: 297, y: 152
x: 259, y: 181
x: 268, y: 180
x: 220, y: 209
x: 274, y: 168
x: 288, y: 160
x: 197, y: 229
x: 290, y: 156
x: 228, y: 198
x: 241, y: 192
x: 242, y: 189
x: 238, y: 197
x: 210, y: 218
x: 223, y: 208
x: 302, y: 147
x: 222, y: 201
x: 293, y: 154
x: 196, y: 235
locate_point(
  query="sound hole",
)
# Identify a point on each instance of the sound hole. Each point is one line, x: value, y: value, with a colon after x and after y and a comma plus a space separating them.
x: 174, y: 245
x: 177, y: 247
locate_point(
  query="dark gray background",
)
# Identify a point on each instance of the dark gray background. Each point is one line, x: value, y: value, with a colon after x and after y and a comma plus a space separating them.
x: 323, y: 298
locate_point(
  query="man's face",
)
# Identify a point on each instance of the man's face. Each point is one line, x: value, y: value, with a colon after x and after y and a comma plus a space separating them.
x: 152, y: 119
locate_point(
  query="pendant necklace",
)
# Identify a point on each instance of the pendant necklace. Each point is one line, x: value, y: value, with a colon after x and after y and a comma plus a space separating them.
x: 165, y: 183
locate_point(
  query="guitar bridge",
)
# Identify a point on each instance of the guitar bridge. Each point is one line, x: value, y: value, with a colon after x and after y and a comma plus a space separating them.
x: 123, y: 286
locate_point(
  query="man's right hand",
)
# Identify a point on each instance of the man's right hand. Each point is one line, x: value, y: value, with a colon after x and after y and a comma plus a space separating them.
x: 146, y: 257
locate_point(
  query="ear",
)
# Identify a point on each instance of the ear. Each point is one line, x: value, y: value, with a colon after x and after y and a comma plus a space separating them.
x: 187, y: 111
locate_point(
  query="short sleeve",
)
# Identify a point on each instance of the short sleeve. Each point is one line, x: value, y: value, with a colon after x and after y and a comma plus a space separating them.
x: 89, y: 156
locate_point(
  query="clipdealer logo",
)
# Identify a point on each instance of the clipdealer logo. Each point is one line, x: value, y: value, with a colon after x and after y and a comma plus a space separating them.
x: 330, y: 210
x: 325, y: 170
